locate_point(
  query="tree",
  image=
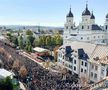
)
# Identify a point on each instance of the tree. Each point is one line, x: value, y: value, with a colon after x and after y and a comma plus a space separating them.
x: 29, y: 32
x: 48, y: 41
x: 16, y: 65
x: 58, y: 39
x: 23, y: 71
x: 28, y: 47
x: 36, y: 42
x: 55, y: 53
x: 6, y: 84
x: 9, y: 35
x: 20, y: 42
x: 42, y: 41
x: 31, y: 39
x: 84, y: 80
x: 15, y: 40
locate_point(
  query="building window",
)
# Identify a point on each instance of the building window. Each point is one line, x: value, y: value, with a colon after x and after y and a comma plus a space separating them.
x: 70, y: 66
x: 63, y: 57
x: 106, y: 27
x: 69, y: 20
x: 102, y: 36
x: 88, y: 27
x: 81, y: 70
x: 88, y: 38
x: 95, y: 75
x: 96, y: 68
x: 102, y: 71
x: 92, y: 66
x: 91, y: 74
x: 71, y: 27
x: 85, y: 64
x: 85, y: 71
x: 82, y: 27
x: 94, y: 37
x: 107, y: 71
x: 81, y: 38
x: 82, y: 63
x: 74, y: 68
x: 66, y: 27
x: 74, y: 61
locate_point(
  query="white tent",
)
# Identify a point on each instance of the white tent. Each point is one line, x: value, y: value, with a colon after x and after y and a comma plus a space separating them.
x: 38, y: 49
x: 4, y: 73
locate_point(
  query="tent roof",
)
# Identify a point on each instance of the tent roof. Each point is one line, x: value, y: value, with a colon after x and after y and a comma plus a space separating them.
x: 38, y: 49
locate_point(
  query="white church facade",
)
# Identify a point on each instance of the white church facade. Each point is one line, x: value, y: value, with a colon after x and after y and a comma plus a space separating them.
x: 85, y: 50
x: 87, y: 30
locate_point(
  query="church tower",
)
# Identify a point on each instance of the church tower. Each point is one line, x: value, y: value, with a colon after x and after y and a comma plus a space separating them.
x: 86, y: 15
x: 69, y: 25
x: 69, y: 20
x: 106, y: 23
x: 92, y: 18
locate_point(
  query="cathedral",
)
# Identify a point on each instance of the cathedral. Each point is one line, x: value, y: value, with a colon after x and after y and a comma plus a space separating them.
x: 85, y: 47
x: 87, y: 30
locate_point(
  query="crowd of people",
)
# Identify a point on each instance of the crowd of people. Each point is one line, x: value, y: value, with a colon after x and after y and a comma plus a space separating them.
x: 39, y: 78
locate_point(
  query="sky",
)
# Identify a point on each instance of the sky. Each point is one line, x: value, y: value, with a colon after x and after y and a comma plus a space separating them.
x: 48, y: 12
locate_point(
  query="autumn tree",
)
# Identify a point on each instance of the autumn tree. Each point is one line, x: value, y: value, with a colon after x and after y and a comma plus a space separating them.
x: 23, y: 71
x: 16, y: 65
x: 55, y: 53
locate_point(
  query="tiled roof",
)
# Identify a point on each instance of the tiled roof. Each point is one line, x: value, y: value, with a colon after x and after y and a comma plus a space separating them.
x: 92, y: 51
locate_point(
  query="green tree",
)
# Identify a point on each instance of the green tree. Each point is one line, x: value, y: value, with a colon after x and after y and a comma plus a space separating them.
x: 28, y: 46
x: 48, y: 40
x: 29, y: 32
x: 20, y: 42
x: 36, y: 42
x: 42, y: 40
x: 31, y: 39
x: 15, y: 40
x: 58, y: 39
x: 9, y: 35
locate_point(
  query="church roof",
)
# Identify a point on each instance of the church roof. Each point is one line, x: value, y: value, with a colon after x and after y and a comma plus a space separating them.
x: 86, y: 11
x: 107, y: 16
x: 70, y: 14
x: 82, y: 54
x: 92, y: 16
x: 96, y: 27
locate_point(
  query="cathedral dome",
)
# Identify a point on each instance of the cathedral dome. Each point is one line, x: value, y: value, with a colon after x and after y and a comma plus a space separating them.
x: 92, y: 16
x: 86, y: 11
x: 107, y: 16
x: 70, y: 14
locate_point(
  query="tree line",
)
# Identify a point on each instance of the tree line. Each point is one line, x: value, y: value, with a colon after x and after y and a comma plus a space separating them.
x: 27, y: 44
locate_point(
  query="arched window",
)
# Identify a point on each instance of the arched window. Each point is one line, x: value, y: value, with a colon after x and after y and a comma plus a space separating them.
x: 81, y: 38
x: 106, y: 27
x: 66, y: 27
x: 82, y: 27
x: 71, y: 27
x: 94, y: 36
x: 87, y: 38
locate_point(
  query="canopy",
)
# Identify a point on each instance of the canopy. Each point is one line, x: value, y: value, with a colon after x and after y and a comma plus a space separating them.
x: 38, y: 49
